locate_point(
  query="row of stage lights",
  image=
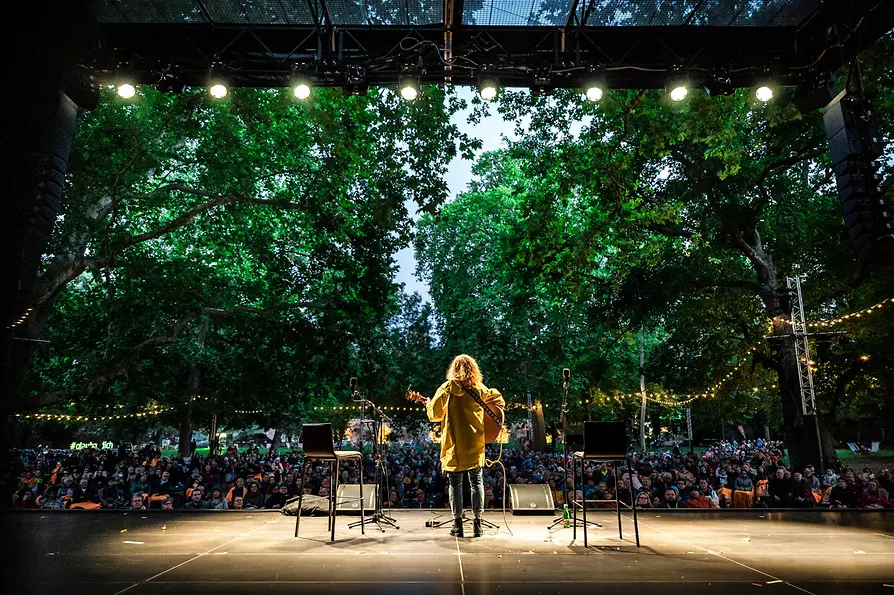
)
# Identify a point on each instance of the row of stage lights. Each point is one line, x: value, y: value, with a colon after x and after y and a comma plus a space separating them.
x: 409, y: 88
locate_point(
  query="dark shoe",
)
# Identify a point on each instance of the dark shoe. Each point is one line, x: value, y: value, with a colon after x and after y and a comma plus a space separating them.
x: 476, y: 528
x: 457, y: 530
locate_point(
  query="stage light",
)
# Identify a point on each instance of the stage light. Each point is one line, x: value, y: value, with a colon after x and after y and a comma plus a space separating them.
x: 488, y: 88
x: 409, y: 87
x: 679, y: 93
x: 764, y: 93
x: 218, y: 90
x: 678, y: 85
x: 126, y: 91
x: 595, y: 86
x: 594, y: 93
x: 301, y: 89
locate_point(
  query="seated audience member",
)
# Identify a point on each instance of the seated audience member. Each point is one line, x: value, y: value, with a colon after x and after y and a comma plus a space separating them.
x: 254, y: 499
x: 696, y: 500
x: 279, y: 498
x: 216, y: 501
x: 25, y: 501
x: 669, y: 500
x: 136, y: 502
x: 239, y: 490
x: 842, y: 496
x: 708, y: 492
x: 873, y: 498
x: 744, y: 482
x: 237, y: 503
x: 195, y: 501
x: 84, y: 493
x: 167, y: 504
x: 643, y: 500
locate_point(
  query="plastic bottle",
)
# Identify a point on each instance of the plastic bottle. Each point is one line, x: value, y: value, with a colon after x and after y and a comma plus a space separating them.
x: 566, y: 517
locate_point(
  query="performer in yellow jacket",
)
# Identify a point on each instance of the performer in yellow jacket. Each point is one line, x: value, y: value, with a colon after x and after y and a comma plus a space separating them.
x: 462, y: 434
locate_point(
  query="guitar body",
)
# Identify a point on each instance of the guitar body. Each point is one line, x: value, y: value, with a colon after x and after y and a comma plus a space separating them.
x: 493, y: 421
x: 492, y: 429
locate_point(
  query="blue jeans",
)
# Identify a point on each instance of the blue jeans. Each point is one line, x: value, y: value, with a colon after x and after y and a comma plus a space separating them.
x: 476, y: 482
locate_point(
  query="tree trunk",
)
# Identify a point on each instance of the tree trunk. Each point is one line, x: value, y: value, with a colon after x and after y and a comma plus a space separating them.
x: 538, y: 443
x: 192, y: 387
x: 800, y: 432
x: 277, y: 438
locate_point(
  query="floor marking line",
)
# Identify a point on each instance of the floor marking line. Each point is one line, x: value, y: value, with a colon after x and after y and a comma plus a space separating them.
x: 462, y: 577
x: 198, y: 556
x: 742, y: 564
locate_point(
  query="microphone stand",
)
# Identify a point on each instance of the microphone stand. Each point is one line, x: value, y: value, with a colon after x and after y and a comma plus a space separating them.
x: 379, y: 517
x: 563, y: 422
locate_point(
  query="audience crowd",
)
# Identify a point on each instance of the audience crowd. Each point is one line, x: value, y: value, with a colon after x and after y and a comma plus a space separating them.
x: 747, y: 474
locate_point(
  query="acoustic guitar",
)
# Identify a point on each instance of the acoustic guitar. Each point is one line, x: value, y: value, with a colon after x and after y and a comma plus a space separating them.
x: 493, y: 418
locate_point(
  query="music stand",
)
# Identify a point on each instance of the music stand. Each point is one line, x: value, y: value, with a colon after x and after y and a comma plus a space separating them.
x: 605, y: 441
x: 379, y: 516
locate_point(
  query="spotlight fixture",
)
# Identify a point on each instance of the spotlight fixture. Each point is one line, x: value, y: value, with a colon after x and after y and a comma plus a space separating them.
x: 488, y: 88
x: 217, y: 85
x: 409, y: 87
x: 720, y: 85
x: 594, y: 87
x: 124, y: 83
x: 218, y: 90
x: 301, y: 86
x: 126, y: 91
x: 678, y: 85
x: 765, y: 85
x: 543, y: 85
x: 355, y: 81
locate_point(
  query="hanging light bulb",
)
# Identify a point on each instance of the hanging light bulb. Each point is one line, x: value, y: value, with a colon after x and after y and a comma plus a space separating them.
x: 409, y: 87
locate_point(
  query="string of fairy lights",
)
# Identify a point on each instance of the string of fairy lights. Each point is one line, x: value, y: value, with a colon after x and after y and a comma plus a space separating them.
x: 857, y: 314
x: 665, y: 399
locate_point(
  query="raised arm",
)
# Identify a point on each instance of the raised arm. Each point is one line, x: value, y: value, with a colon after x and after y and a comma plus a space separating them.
x: 436, y: 407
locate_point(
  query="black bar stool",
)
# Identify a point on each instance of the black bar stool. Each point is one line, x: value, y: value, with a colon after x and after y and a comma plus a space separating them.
x: 604, y: 441
x: 318, y: 444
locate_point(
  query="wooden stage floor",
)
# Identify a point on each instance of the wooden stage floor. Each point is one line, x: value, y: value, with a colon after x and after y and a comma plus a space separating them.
x: 240, y: 552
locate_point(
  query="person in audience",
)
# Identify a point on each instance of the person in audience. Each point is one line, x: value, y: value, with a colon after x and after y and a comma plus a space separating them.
x: 136, y: 501
x: 696, y: 500
x: 167, y: 503
x: 237, y: 503
x: 744, y: 482
x: 279, y: 498
x: 195, y: 501
x: 873, y: 498
x: 669, y: 500
x: 254, y: 498
x: 842, y: 496
x: 217, y: 501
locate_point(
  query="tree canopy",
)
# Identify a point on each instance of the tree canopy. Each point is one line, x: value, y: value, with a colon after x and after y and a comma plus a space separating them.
x: 237, y: 258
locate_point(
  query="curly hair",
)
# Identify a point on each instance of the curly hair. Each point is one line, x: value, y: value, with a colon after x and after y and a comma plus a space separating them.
x: 464, y: 369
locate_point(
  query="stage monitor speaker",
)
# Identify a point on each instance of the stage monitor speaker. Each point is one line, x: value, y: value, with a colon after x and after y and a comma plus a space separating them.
x: 348, y: 498
x: 531, y: 499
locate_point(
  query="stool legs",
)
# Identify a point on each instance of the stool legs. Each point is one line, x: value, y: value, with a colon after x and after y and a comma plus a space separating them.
x: 301, y: 494
x: 362, y: 515
x: 334, y: 507
x: 584, y: 499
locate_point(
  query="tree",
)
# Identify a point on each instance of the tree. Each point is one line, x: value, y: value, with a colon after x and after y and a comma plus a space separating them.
x: 241, y: 250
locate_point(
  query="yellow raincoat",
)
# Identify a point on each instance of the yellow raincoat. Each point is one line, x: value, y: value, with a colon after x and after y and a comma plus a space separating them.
x: 462, y: 424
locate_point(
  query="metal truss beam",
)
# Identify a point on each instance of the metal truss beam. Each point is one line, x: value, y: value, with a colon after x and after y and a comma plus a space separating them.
x: 452, y: 52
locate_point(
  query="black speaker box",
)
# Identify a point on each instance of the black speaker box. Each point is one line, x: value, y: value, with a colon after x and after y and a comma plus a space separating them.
x: 347, y: 498
x: 531, y: 499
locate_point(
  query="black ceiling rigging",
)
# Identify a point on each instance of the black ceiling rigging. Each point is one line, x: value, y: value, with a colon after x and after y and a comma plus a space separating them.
x: 527, y: 43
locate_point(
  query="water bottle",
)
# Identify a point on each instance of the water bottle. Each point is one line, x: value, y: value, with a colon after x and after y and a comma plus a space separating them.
x: 566, y: 517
